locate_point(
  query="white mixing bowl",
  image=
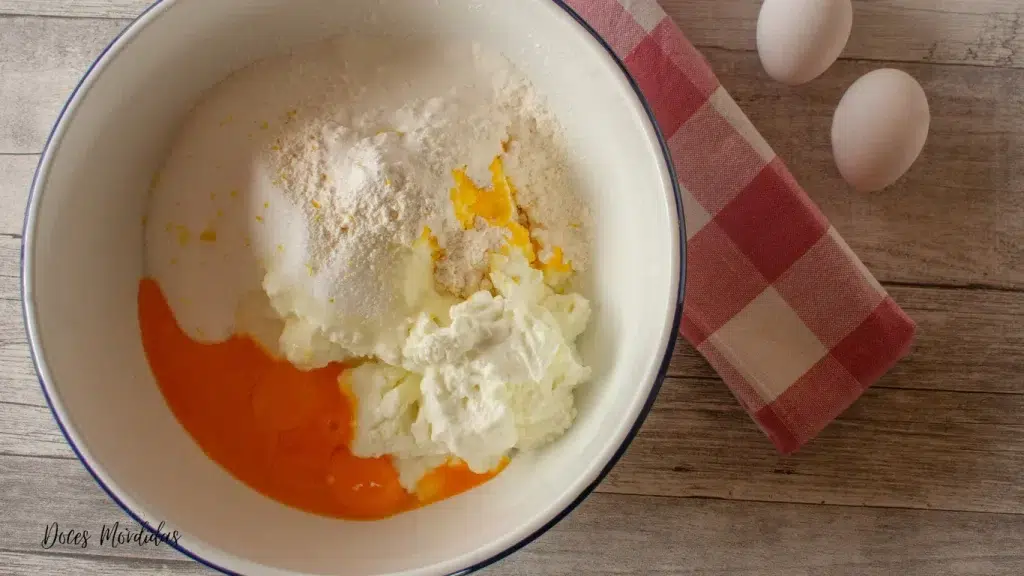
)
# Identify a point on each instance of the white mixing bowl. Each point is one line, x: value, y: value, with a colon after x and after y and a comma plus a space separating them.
x: 83, y: 259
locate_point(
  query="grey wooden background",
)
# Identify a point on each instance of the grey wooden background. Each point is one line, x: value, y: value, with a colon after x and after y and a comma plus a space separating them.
x: 924, y: 475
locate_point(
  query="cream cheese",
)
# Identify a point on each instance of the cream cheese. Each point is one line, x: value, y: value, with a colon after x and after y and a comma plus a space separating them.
x: 496, y: 375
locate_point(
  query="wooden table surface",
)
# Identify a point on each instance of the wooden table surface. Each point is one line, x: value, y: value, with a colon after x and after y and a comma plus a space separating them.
x: 923, y: 475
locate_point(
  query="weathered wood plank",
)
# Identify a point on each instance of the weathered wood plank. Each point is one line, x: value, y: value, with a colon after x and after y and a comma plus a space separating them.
x: 608, y: 534
x: 978, y: 32
x: 15, y: 180
x: 41, y: 61
x: 631, y: 535
x: 10, y: 273
x: 902, y: 448
x: 973, y: 32
x: 40, y: 491
x: 31, y: 431
x: 75, y: 8
x: 34, y: 564
x: 18, y: 381
x: 967, y: 340
x: 19, y: 386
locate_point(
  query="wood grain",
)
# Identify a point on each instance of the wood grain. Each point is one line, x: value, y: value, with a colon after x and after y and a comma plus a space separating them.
x: 31, y: 431
x: 967, y: 340
x: 975, y: 32
x: 41, y: 61
x: 34, y: 564
x: 117, y: 9
x: 32, y: 485
x: 608, y: 534
x: 18, y: 381
x: 10, y: 274
x: 17, y: 173
x: 900, y: 448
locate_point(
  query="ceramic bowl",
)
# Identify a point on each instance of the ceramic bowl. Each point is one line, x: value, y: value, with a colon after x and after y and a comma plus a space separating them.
x: 83, y: 260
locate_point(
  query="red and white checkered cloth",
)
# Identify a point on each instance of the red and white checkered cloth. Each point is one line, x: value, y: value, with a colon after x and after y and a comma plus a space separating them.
x: 776, y: 301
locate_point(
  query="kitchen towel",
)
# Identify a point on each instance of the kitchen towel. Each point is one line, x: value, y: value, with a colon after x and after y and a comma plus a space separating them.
x: 777, y: 302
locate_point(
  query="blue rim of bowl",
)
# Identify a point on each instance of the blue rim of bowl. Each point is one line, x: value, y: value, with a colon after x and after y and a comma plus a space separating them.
x: 638, y: 423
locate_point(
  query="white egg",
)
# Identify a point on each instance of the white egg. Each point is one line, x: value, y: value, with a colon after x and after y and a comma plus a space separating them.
x: 879, y: 128
x: 798, y: 40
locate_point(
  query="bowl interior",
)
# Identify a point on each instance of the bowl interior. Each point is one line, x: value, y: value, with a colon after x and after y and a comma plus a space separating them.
x: 84, y: 260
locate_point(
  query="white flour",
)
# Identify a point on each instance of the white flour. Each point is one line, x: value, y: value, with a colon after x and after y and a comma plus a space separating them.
x: 370, y: 188
x: 369, y: 182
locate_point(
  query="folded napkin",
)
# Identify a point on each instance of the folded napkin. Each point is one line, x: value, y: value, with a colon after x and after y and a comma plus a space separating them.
x: 776, y: 301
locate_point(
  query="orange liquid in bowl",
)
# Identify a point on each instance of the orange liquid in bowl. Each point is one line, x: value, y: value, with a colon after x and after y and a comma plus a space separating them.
x: 280, y: 430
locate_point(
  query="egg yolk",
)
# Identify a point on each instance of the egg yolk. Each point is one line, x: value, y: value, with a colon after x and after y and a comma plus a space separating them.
x: 496, y: 205
x: 282, y: 431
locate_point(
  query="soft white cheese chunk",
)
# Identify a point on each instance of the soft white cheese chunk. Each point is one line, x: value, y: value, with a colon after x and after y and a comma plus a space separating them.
x: 499, y: 376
